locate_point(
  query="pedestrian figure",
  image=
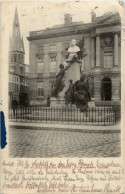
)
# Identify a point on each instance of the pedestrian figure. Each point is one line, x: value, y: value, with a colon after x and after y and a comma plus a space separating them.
x: 48, y: 101
x: 14, y: 106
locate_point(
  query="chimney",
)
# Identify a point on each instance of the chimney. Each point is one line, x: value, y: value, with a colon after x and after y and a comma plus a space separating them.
x: 67, y: 19
x: 93, y: 16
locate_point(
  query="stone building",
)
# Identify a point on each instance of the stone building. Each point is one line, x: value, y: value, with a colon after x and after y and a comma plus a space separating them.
x: 18, y: 77
x: 102, y: 65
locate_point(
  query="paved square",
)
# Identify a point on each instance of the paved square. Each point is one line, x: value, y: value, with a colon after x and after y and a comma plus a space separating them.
x: 52, y: 143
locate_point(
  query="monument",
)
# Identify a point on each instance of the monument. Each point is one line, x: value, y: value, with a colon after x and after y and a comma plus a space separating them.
x: 69, y: 81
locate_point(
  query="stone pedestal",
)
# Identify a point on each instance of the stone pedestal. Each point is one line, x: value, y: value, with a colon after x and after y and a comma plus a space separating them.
x: 72, y: 73
x: 91, y: 104
x: 57, y: 102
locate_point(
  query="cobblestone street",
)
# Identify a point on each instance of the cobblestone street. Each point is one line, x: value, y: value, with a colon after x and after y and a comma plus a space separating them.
x: 53, y: 143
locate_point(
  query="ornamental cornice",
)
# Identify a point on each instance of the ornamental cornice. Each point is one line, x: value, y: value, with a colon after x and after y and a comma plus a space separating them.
x: 106, y: 24
x: 46, y: 36
x: 92, y: 27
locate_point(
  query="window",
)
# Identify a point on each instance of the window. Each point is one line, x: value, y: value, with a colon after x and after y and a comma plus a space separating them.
x: 21, y: 58
x: 40, y: 49
x: 108, y: 60
x: 53, y: 64
x: 12, y: 87
x: 52, y: 48
x: 40, y: 66
x: 14, y: 57
x: 40, y: 89
x: 21, y: 80
x: 21, y: 70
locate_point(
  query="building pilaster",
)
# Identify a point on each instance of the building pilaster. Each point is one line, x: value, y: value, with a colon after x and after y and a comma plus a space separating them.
x: 98, y: 50
x: 93, y: 53
x: 116, y: 50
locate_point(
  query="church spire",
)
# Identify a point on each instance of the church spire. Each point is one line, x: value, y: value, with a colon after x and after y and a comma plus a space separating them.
x: 16, y: 19
x: 16, y: 36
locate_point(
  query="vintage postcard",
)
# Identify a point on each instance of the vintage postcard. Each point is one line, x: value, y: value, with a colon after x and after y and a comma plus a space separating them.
x: 62, y: 99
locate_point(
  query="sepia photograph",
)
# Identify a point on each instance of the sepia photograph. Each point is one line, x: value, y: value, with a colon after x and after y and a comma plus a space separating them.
x: 64, y: 79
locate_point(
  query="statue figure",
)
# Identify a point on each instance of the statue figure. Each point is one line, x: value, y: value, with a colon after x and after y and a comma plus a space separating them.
x: 81, y: 93
x: 69, y: 94
x: 76, y: 50
x: 59, y: 81
x: 78, y: 94
x: 72, y: 50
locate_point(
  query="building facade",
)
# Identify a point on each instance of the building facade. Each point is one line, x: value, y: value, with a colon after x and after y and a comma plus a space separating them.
x: 18, y: 77
x: 102, y: 65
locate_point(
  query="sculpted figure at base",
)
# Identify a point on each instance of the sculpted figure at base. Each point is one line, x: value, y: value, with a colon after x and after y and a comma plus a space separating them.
x: 59, y: 81
x: 69, y: 94
x: 79, y: 95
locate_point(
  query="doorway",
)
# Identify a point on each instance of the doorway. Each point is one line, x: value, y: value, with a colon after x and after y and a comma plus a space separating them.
x: 106, y: 93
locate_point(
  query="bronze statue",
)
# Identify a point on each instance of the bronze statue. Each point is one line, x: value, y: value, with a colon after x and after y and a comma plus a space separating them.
x: 69, y: 94
x: 79, y: 95
x: 59, y: 81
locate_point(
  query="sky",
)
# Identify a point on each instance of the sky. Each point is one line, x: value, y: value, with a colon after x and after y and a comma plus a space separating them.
x: 36, y: 15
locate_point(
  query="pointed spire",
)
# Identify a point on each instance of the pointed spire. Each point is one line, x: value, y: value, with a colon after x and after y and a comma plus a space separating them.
x: 16, y: 37
x: 16, y: 19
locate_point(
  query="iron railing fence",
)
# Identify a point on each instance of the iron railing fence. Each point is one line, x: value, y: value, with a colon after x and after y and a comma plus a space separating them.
x: 90, y: 116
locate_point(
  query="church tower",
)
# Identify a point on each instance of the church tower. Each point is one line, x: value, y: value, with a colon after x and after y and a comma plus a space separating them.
x: 16, y: 48
x: 18, y: 80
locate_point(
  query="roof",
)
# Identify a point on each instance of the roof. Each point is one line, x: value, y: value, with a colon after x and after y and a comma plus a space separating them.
x: 76, y: 27
x: 108, y: 17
